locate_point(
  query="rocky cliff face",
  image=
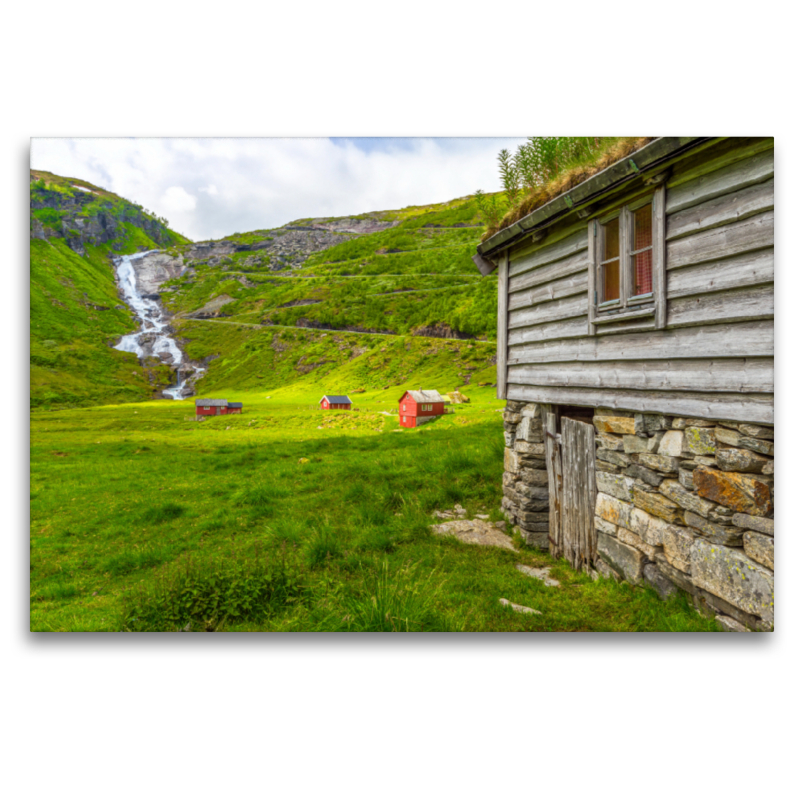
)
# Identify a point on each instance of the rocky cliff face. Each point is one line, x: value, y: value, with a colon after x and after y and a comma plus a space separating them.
x: 82, y: 216
x: 287, y: 247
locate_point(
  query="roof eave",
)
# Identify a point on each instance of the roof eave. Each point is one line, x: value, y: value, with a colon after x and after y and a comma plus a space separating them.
x: 650, y: 157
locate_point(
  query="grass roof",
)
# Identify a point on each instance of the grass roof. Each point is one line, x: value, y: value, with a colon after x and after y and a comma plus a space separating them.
x: 566, y: 179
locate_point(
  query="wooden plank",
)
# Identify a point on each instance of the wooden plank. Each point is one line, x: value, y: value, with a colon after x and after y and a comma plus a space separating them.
x: 754, y: 375
x: 555, y: 233
x: 753, y: 233
x: 562, y: 329
x: 485, y: 266
x: 590, y: 498
x: 579, y: 492
x: 502, y: 325
x: 745, y: 340
x: 554, y: 482
x: 713, y: 176
x: 541, y: 275
x: 747, y: 269
x: 728, y: 208
x: 660, y: 257
x: 735, y: 305
x: 739, y: 407
x: 549, y: 253
x: 565, y: 308
x: 569, y: 504
x: 555, y: 290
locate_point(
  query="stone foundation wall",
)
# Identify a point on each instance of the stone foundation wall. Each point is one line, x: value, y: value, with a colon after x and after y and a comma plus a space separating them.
x: 682, y: 504
x: 526, y: 499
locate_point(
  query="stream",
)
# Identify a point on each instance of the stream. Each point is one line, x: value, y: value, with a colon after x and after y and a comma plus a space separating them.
x: 153, y: 337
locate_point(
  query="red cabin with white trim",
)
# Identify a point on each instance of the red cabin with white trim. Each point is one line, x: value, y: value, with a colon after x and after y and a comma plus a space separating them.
x: 417, y: 408
x: 215, y: 408
x: 335, y: 401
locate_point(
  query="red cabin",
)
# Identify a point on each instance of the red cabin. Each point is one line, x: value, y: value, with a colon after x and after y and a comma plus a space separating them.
x: 215, y: 408
x: 417, y: 408
x: 341, y: 401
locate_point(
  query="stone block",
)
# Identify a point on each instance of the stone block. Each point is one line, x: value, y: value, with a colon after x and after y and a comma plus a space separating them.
x: 606, y: 571
x: 512, y: 418
x: 728, y: 535
x: 530, y: 430
x: 508, y: 438
x: 650, y: 423
x: 758, y: 445
x: 666, y: 464
x: 644, y: 474
x: 630, y: 538
x: 608, y: 441
x: 531, y: 512
x: 678, y: 543
x: 685, y: 499
x: 760, y: 547
x: 700, y: 441
x: 710, y: 605
x: 612, y: 510
x: 682, y: 580
x: 533, y: 477
x: 614, y: 425
x: 732, y: 575
x: 531, y: 491
x: 511, y: 461
x: 721, y: 514
x: 756, y: 431
x: 532, y: 411
x: 604, y: 526
x: 681, y: 423
x: 769, y: 468
x: 529, y: 448
x: 733, y: 460
x: 613, y: 457
x: 760, y: 524
x: 657, y: 505
x: 605, y: 466
x: 685, y: 479
x: 730, y: 625
x: 624, y: 559
x: 617, y: 486
x: 735, y: 490
x: 653, y: 576
x: 535, y: 538
x: 671, y: 444
x: 532, y: 505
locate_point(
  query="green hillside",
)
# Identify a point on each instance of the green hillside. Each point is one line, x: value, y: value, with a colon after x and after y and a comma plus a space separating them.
x: 76, y: 314
x: 302, y: 303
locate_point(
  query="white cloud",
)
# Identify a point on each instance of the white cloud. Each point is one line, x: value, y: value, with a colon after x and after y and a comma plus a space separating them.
x: 208, y: 188
x: 176, y: 198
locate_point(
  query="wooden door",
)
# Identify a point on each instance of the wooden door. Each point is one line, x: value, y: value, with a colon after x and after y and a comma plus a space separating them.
x: 573, y: 491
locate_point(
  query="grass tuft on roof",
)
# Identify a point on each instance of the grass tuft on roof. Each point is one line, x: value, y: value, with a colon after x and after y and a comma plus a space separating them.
x: 565, y: 177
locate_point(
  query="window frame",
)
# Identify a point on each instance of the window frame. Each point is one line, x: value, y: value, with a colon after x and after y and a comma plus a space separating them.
x: 632, y: 312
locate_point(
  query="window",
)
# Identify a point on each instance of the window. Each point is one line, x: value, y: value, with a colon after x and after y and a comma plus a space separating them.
x: 627, y: 277
x: 404, y: 406
x: 404, y: 418
x: 206, y: 408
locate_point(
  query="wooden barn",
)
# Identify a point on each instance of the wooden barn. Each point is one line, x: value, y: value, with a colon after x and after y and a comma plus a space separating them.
x: 215, y: 408
x: 635, y: 349
x: 417, y: 408
x: 334, y: 401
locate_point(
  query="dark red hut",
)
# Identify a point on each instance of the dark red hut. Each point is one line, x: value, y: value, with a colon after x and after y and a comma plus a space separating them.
x: 341, y: 401
x: 416, y: 408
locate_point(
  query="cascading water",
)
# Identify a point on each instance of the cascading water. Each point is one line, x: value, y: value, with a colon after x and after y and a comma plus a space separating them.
x: 153, y: 330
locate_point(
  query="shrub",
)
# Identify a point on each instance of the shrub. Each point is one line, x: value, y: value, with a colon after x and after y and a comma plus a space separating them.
x: 211, y: 594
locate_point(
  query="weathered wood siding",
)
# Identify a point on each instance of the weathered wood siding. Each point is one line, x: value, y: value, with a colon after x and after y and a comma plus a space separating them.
x: 714, y: 358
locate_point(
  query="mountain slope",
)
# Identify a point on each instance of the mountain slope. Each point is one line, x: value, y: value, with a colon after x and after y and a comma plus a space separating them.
x: 76, y: 313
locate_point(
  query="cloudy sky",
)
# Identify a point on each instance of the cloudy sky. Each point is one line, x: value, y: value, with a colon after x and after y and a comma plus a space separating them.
x: 208, y: 188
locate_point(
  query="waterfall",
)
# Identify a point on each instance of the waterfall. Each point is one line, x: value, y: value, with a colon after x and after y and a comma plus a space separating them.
x: 153, y: 337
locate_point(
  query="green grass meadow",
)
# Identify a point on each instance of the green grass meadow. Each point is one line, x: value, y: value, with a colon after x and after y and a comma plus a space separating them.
x: 287, y: 518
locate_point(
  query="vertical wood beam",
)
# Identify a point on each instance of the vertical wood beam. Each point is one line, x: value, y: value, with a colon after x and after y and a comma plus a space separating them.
x: 660, y: 255
x: 593, y: 261
x: 502, y: 326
